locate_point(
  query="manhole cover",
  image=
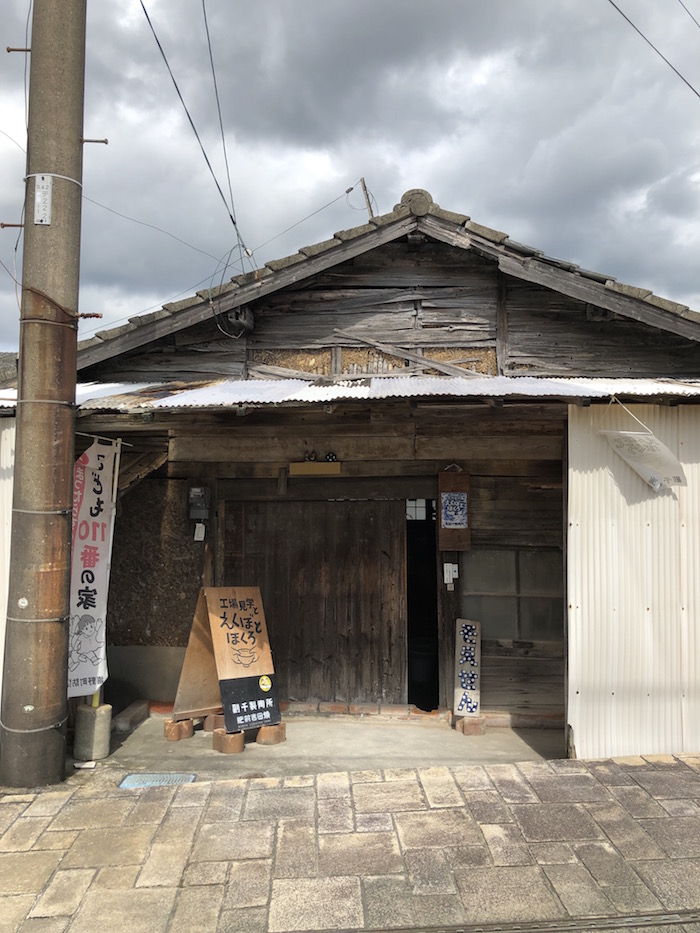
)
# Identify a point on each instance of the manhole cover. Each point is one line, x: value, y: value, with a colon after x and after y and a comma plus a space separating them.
x: 155, y: 780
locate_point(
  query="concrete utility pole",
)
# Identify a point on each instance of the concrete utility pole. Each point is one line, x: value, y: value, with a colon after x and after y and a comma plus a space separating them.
x: 34, y: 703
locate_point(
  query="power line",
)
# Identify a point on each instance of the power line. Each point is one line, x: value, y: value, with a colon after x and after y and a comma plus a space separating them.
x: 191, y: 121
x: 651, y: 44
x: 689, y: 13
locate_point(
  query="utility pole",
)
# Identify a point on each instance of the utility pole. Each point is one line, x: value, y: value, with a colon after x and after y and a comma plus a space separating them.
x: 34, y: 703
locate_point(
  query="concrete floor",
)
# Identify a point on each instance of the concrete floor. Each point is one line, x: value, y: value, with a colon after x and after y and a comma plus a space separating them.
x: 317, y: 745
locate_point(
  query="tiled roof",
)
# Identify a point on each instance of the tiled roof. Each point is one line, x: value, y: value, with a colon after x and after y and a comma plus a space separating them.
x: 417, y: 204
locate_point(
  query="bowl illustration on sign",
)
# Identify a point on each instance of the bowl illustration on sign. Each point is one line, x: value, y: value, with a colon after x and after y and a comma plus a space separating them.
x: 243, y: 656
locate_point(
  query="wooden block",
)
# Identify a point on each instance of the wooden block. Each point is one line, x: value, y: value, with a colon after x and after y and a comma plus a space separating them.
x: 272, y: 735
x: 229, y: 743
x: 174, y: 731
x: 471, y: 725
x: 213, y: 721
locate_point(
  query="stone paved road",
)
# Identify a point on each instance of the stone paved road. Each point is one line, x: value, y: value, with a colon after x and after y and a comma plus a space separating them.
x: 365, y: 850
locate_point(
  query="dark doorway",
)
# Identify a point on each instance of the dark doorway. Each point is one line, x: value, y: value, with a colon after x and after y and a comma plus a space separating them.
x: 421, y: 590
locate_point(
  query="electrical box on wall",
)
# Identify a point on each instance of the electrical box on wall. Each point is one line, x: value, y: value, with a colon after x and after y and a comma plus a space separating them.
x: 199, y: 503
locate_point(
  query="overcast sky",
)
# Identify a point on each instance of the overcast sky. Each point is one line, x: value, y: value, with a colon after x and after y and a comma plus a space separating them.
x: 550, y: 119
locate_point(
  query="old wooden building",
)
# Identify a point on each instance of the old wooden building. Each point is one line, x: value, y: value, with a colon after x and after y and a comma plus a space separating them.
x: 321, y: 402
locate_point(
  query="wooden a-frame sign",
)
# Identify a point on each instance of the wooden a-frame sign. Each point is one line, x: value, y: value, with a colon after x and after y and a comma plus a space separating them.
x: 228, y: 661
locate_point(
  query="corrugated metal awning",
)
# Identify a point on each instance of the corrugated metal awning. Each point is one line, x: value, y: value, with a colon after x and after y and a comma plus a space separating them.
x: 233, y: 393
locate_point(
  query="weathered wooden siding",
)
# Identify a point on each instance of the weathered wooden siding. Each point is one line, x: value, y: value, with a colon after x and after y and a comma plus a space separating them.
x: 332, y: 576
x: 551, y: 334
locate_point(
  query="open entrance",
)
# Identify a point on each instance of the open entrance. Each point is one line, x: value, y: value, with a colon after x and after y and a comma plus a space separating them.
x: 422, y: 603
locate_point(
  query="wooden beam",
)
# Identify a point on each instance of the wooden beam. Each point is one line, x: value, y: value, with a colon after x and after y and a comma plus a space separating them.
x: 426, y: 361
x: 501, y: 327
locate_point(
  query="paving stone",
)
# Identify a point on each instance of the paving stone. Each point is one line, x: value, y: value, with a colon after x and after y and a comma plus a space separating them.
x: 633, y: 899
x: 335, y: 815
x: 577, y: 891
x: 300, y: 780
x: 668, y: 784
x: 359, y: 854
x: 9, y: 812
x: 399, y: 774
x: 23, y: 833
x: 555, y: 822
x: 247, y: 920
x: 229, y: 841
x: 279, y: 804
x: 296, y: 852
x: 511, y: 785
x: 434, y: 909
x: 630, y: 762
x: 152, y: 807
x: 487, y: 807
x: 394, y: 796
x: 178, y: 826
x: 664, y: 762
x: 64, y: 893
x: 315, y: 904
x: 606, y: 864
x: 225, y: 802
x: 468, y: 856
x: 570, y: 786
x: 676, y: 882
x: 472, y: 777
x: 436, y: 829
x: 248, y: 884
x: 164, y: 865
x: 83, y: 814
x: 94, y: 848
x: 681, y: 807
x: 117, y: 877
x: 677, y: 836
x: 609, y: 773
x: 26, y: 872
x: 373, y: 822
x: 192, y: 795
x: 13, y: 910
x: 265, y: 783
x: 389, y: 902
x: 205, y: 873
x: 552, y: 853
x: 624, y: 833
x: 430, y: 872
x: 126, y: 911
x: 44, y: 925
x: 48, y: 804
x: 333, y: 784
x: 365, y: 777
x: 61, y: 839
x: 196, y: 909
x: 564, y: 766
x: 506, y: 844
x: 637, y: 801
x: 440, y: 788
x: 496, y: 895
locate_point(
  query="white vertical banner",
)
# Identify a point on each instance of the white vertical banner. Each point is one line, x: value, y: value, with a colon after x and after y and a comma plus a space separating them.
x: 94, y: 503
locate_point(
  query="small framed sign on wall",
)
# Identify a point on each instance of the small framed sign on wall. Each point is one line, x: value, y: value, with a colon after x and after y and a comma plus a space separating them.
x: 454, y: 512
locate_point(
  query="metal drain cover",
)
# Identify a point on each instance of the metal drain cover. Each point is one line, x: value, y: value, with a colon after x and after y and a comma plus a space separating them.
x: 155, y: 780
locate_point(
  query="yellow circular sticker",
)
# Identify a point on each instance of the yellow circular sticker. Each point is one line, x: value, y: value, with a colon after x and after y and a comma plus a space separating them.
x: 265, y: 683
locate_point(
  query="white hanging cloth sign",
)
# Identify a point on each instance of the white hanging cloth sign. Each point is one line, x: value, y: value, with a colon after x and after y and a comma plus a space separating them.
x: 94, y: 503
x: 648, y: 457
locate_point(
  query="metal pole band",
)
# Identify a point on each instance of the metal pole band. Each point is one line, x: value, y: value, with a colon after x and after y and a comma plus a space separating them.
x: 54, y: 175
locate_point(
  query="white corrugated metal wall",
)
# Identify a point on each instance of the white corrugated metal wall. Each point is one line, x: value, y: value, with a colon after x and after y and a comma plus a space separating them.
x: 633, y: 589
x: 7, y: 463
